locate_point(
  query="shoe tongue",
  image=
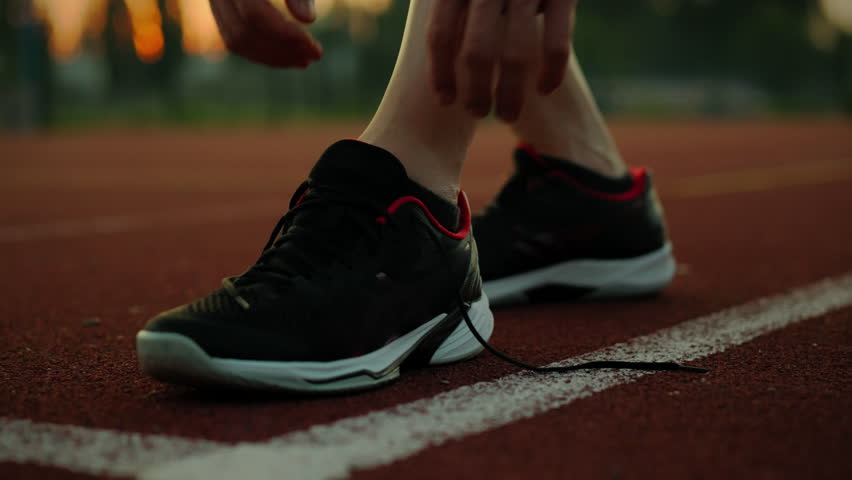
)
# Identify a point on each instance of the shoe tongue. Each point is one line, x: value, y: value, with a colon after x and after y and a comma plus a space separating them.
x: 367, y: 170
x: 355, y: 166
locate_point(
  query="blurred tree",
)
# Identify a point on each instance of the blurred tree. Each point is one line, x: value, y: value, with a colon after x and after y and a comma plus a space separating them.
x: 763, y: 44
x: 165, y: 72
x: 842, y: 63
x: 35, y: 102
x: 375, y: 63
x: 8, y: 70
x: 7, y: 47
x: 117, y: 44
x: 129, y: 77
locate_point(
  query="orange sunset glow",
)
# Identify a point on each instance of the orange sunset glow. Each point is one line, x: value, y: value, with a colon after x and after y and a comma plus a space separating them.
x: 147, y: 21
x: 70, y: 21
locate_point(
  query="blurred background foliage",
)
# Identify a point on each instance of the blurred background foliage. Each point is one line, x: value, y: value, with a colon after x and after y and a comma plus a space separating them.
x: 105, y: 62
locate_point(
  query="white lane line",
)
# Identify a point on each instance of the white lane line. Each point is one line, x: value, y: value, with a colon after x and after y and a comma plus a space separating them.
x: 334, y: 450
x: 93, y: 451
x: 128, y: 223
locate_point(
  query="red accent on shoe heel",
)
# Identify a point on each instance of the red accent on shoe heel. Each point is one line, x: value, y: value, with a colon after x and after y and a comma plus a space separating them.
x: 464, y: 214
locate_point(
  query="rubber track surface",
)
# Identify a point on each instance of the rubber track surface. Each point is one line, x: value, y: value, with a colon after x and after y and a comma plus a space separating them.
x: 99, y: 231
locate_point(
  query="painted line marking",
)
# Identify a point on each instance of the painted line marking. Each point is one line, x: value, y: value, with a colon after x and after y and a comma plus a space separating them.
x: 93, y: 451
x: 760, y: 179
x: 127, y: 223
x: 379, y: 438
x: 145, y: 177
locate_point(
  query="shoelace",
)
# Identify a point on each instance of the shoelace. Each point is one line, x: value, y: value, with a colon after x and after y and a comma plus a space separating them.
x: 270, y: 266
x: 598, y: 364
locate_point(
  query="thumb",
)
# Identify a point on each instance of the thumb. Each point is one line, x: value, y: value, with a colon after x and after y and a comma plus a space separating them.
x: 302, y: 10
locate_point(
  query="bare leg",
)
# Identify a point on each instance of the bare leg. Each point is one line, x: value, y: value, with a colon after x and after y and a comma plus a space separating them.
x: 431, y: 140
x: 567, y: 124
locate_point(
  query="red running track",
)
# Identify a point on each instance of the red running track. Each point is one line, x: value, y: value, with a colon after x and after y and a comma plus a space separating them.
x: 101, y: 230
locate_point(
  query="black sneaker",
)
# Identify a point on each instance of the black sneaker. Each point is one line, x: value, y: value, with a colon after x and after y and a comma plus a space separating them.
x: 358, y: 280
x: 550, y: 237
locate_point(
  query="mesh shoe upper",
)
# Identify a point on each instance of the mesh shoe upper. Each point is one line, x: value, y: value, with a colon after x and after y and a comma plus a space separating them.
x: 543, y: 216
x: 355, y: 263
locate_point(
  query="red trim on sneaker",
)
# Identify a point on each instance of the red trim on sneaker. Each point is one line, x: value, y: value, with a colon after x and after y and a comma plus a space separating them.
x: 302, y: 196
x: 534, y: 154
x: 639, y: 175
x: 464, y: 214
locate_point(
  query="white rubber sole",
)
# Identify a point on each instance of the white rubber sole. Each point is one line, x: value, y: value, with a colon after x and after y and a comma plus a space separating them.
x: 643, y: 275
x: 176, y: 358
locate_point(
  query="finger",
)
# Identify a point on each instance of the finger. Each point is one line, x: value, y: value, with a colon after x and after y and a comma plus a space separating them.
x: 479, y: 54
x: 258, y: 35
x: 446, y: 29
x: 229, y: 20
x: 556, y: 43
x: 516, y: 62
x: 261, y: 50
x: 303, y: 10
x: 261, y: 15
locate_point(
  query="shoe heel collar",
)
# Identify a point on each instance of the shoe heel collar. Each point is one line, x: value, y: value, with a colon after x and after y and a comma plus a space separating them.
x: 638, y: 174
x: 640, y: 184
x: 464, y: 215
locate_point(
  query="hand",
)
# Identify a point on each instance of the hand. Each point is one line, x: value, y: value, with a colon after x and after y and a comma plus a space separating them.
x: 499, y: 33
x: 256, y: 30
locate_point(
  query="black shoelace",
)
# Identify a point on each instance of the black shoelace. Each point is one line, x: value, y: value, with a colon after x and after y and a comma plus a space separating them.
x: 312, y: 245
x: 597, y: 364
